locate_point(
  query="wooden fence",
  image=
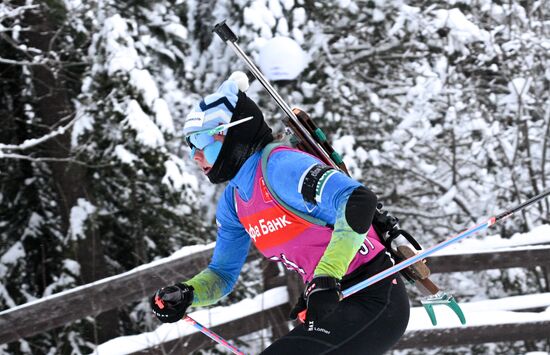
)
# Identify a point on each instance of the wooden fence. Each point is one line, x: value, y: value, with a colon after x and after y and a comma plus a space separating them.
x: 101, y: 296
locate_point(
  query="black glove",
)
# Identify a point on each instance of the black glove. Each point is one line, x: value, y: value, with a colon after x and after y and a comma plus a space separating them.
x: 170, y: 303
x: 320, y: 298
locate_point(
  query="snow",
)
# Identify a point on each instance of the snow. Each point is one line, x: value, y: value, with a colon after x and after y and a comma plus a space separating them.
x: 344, y: 145
x: 519, y: 88
x: 462, y: 31
x: 5, y: 294
x: 287, y: 4
x: 448, y: 196
x: 79, y: 214
x: 83, y: 122
x: 13, y: 254
x: 124, y: 155
x: 122, y: 56
x: 147, y: 131
x: 374, y: 157
x: 72, y: 266
x: 59, y: 282
x: 300, y: 16
x: 406, y: 15
x: 378, y: 16
x: 183, y: 252
x: 151, y: 118
x: 143, y: 81
x: 176, y: 176
x: 163, y: 117
x: 480, y: 313
x: 177, y: 30
x: 260, y: 17
x: 275, y: 8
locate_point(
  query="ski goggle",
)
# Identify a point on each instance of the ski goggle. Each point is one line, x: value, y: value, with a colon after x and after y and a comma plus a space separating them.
x: 211, y: 152
x: 204, y: 140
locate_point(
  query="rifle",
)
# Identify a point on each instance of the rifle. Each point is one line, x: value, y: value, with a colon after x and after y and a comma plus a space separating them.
x: 310, y: 138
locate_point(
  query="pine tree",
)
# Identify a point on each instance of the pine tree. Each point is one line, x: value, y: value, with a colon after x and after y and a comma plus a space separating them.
x: 446, y: 121
x: 118, y: 181
x: 144, y: 198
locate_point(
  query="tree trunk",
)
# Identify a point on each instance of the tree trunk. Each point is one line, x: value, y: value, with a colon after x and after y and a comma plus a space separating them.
x: 52, y: 103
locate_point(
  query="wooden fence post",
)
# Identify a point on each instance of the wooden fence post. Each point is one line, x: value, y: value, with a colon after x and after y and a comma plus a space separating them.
x: 273, y: 277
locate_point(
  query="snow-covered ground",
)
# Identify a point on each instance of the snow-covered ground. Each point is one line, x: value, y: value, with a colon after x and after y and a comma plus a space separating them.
x: 478, y: 313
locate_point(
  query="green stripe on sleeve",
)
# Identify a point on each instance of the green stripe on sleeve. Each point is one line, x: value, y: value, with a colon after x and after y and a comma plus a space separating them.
x: 208, y: 288
x: 341, y: 250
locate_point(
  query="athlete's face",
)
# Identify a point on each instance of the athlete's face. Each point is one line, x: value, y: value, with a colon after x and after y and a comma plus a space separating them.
x: 200, y: 158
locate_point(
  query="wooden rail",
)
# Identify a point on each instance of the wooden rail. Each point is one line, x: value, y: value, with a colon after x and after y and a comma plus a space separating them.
x: 411, y: 340
x: 93, y: 299
x: 475, y: 335
x: 525, y: 258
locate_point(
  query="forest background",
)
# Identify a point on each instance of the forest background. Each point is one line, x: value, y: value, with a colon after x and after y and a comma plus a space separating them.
x: 441, y: 107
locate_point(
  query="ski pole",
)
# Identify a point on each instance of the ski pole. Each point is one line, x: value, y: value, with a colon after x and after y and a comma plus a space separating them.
x: 443, y: 298
x: 422, y: 255
x: 218, y: 339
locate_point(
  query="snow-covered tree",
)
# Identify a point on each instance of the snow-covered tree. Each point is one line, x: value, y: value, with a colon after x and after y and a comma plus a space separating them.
x: 441, y: 107
x: 113, y: 192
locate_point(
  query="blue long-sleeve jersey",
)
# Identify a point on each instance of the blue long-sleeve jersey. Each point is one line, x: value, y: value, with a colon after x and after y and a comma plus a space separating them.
x: 285, y: 171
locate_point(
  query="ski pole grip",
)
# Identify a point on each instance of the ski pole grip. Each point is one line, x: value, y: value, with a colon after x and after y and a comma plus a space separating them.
x: 225, y: 33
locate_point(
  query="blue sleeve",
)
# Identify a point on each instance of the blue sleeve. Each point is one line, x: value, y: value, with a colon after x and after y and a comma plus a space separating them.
x: 230, y: 252
x: 232, y: 243
x: 285, y: 171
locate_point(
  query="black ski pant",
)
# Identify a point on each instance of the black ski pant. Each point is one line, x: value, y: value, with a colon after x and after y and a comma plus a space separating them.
x: 368, y: 322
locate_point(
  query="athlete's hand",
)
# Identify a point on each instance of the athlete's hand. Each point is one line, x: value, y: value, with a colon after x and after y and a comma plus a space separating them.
x: 170, y: 303
x: 321, y: 297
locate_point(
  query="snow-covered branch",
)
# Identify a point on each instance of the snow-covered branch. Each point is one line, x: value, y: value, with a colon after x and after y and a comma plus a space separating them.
x: 6, y: 150
x: 39, y: 159
x: 383, y: 48
x: 419, y: 213
x: 29, y: 143
x: 19, y: 62
x: 6, y: 12
x: 457, y: 199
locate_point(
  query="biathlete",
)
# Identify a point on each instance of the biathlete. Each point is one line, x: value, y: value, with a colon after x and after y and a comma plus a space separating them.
x: 299, y: 212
